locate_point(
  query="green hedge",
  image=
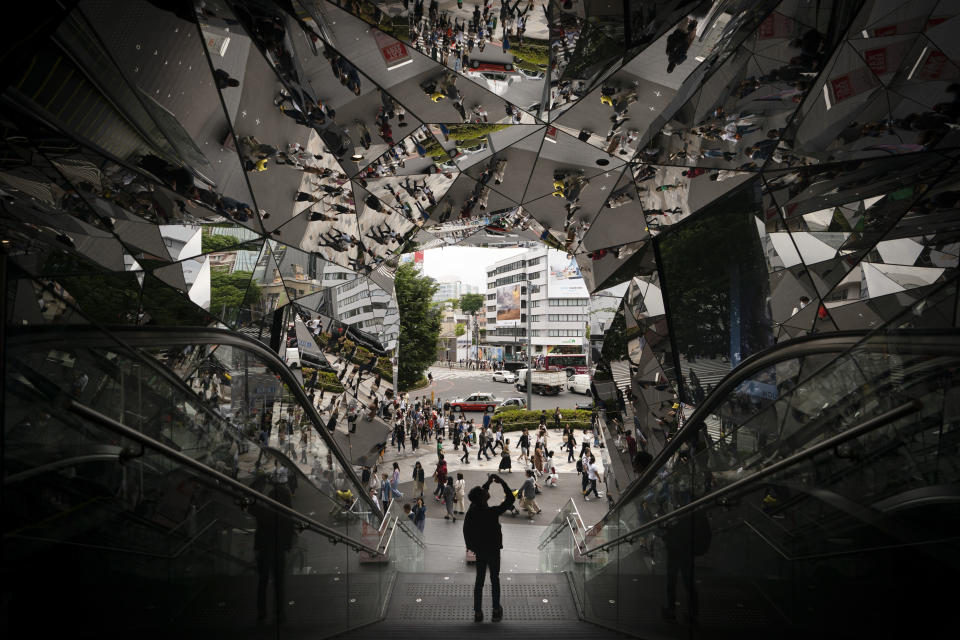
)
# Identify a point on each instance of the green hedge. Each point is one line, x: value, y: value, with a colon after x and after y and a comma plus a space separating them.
x: 327, y: 380
x: 384, y: 368
x: 534, y: 54
x: 517, y: 419
x: 473, y: 131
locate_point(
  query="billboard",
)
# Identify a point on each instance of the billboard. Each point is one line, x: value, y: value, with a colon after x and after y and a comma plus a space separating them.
x: 565, y: 279
x: 508, y: 305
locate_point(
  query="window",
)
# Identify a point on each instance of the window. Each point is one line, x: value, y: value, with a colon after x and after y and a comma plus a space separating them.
x: 534, y: 262
x: 535, y: 275
x: 491, y: 296
x: 564, y: 333
x: 567, y: 317
x: 568, y: 302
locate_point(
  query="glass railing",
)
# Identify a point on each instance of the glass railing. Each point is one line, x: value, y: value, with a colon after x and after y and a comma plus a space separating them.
x: 230, y: 407
x: 149, y: 540
x: 810, y: 513
x: 134, y: 484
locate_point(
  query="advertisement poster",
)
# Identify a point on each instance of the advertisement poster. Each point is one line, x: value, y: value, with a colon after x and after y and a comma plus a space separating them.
x: 508, y: 305
x: 853, y: 83
x: 394, y: 52
x: 565, y: 279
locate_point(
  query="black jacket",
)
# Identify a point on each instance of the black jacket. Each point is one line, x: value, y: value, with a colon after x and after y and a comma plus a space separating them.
x: 481, y: 526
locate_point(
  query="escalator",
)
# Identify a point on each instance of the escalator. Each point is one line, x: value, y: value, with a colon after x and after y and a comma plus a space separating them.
x: 827, y: 507
x: 132, y: 504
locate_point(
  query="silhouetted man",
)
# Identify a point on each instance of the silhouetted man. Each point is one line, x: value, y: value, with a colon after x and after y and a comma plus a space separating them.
x: 483, y: 536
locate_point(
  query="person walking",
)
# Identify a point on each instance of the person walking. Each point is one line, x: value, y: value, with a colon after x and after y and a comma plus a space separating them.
x: 524, y: 447
x: 395, y: 481
x: 418, y: 475
x: 528, y: 495
x: 592, y: 475
x: 420, y: 514
x: 460, y: 487
x: 449, y: 496
x: 385, y: 490
x: 505, y: 462
x: 440, y: 475
x: 557, y: 417
x: 465, y: 458
x: 482, y: 442
x: 482, y: 535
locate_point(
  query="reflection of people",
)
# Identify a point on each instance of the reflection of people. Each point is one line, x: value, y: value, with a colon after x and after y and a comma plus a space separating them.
x: 483, y: 536
x: 688, y: 538
x: 273, y: 539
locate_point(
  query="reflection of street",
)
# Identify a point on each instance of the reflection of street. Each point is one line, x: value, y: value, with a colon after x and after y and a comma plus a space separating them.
x: 481, y: 45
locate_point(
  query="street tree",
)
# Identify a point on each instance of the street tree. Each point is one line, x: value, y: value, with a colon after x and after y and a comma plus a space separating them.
x: 419, y: 324
x: 471, y: 302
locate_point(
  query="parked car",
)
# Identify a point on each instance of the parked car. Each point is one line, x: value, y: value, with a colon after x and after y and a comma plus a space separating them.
x: 579, y: 383
x: 476, y: 402
x: 511, y: 403
x: 586, y: 405
x: 504, y: 376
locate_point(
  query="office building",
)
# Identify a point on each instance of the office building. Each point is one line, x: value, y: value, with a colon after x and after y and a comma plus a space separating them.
x: 559, y: 303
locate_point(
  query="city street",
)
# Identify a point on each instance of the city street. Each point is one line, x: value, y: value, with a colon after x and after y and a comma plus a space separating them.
x: 449, y: 384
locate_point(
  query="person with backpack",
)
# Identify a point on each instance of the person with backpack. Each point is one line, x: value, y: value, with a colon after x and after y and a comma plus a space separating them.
x: 528, y: 495
x: 440, y: 475
x: 482, y: 535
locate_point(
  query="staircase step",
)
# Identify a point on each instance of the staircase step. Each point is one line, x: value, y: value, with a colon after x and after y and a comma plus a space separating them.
x: 535, y: 606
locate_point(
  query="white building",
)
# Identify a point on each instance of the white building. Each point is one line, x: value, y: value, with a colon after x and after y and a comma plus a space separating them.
x: 447, y: 289
x: 559, y: 301
x: 191, y: 269
x: 363, y: 304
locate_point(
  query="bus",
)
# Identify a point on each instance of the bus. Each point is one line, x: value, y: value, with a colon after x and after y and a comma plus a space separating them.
x: 572, y: 363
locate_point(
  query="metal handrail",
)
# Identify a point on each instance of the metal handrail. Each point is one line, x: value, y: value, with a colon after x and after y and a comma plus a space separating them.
x: 574, y: 522
x: 837, y: 342
x: 59, y: 464
x: 866, y: 426
x: 869, y: 425
x: 95, y: 416
x: 152, y: 336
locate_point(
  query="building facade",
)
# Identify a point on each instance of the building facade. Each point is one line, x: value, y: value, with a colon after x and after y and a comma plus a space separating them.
x: 559, y: 304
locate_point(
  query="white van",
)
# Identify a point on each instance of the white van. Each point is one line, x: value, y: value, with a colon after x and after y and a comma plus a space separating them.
x: 579, y: 383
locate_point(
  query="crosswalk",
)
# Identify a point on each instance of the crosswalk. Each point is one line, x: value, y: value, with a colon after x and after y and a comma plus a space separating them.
x: 442, y: 373
x: 620, y: 370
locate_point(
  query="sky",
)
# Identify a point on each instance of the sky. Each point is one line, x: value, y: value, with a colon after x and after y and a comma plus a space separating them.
x: 467, y: 264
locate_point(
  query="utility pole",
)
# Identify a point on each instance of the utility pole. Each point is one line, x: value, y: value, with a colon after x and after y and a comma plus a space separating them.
x: 529, y: 349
